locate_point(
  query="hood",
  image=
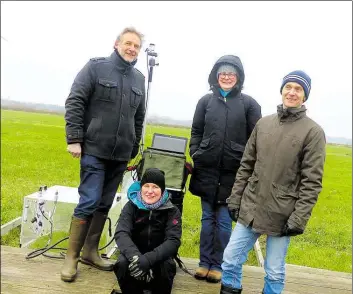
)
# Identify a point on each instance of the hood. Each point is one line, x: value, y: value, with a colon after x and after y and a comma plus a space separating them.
x: 233, y: 60
x: 132, y: 196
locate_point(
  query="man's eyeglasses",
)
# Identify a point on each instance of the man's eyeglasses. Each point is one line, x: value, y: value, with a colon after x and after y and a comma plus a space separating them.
x: 230, y: 75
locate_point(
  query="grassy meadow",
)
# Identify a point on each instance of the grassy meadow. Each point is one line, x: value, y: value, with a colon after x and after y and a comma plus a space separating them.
x: 33, y: 153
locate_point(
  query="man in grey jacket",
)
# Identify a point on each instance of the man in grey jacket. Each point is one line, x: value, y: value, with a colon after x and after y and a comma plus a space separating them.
x: 104, y: 117
x: 276, y: 187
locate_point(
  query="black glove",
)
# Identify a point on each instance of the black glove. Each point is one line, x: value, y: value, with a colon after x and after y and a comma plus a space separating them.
x: 233, y: 213
x: 291, y: 231
x: 149, y: 276
x: 144, y: 263
x: 134, y: 269
x: 135, y: 151
x: 139, y: 267
x: 146, y: 277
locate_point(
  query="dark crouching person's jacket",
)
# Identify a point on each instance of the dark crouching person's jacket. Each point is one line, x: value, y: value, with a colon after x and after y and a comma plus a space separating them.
x: 154, y: 233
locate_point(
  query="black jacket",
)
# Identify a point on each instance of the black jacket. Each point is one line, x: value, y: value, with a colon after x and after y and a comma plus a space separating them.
x: 154, y: 233
x: 105, y: 109
x: 220, y: 130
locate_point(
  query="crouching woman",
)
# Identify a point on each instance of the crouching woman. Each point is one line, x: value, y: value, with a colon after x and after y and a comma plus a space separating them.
x: 148, y: 237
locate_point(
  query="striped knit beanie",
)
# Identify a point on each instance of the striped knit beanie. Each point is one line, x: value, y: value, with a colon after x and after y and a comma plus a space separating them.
x: 299, y: 77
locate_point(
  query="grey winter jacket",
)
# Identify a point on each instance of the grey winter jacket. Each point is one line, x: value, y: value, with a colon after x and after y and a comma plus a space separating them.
x: 106, y: 107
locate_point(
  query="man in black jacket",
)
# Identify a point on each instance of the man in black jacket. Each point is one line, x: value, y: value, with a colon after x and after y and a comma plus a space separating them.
x: 104, y: 117
x: 148, y: 237
x: 222, y: 124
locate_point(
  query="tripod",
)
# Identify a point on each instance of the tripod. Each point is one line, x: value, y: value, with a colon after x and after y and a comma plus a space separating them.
x: 151, y: 63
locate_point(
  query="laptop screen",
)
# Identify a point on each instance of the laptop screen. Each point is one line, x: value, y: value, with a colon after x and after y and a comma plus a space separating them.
x: 169, y: 143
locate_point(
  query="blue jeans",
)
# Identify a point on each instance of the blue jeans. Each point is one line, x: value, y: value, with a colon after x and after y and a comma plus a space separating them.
x: 100, y: 179
x: 236, y: 253
x: 215, y: 233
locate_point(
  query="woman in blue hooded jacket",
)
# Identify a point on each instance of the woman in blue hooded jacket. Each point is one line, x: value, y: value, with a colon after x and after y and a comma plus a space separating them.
x: 148, y: 236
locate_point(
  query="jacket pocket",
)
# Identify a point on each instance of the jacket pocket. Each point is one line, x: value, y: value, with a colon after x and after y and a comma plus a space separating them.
x: 135, y: 97
x: 93, y: 129
x: 237, y: 147
x: 236, y: 152
x: 283, y: 192
x: 107, y: 90
x: 252, y: 183
x: 203, y: 145
x: 281, y: 204
x: 249, y: 195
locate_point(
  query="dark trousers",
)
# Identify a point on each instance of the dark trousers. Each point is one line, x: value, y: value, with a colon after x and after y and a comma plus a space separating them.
x: 162, y: 282
x: 216, y: 228
x: 100, y: 179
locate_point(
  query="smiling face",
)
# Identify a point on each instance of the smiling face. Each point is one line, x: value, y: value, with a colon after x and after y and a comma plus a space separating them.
x: 151, y: 193
x: 227, y: 80
x: 293, y: 95
x: 128, y: 46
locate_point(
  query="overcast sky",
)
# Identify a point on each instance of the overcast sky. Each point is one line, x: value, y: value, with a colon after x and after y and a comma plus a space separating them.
x: 47, y: 43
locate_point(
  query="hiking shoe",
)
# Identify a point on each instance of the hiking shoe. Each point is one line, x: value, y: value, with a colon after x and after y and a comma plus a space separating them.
x: 201, y: 273
x: 214, y: 276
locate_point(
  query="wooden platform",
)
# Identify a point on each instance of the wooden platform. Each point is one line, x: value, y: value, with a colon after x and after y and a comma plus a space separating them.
x: 42, y: 275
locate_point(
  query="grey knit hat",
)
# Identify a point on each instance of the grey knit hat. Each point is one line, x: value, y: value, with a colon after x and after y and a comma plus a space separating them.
x: 226, y: 67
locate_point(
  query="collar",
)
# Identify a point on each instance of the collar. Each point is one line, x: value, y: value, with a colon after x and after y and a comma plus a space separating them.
x: 216, y: 89
x: 123, y: 66
x: 290, y: 114
x: 223, y: 92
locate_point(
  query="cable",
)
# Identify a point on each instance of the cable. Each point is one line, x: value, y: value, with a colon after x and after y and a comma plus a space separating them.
x: 182, y: 265
x: 42, y: 251
x: 110, y: 242
x: 50, y: 221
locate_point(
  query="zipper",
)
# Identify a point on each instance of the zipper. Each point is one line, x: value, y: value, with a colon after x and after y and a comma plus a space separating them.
x: 224, y: 133
x: 121, y: 104
x: 149, y: 228
x: 224, y: 137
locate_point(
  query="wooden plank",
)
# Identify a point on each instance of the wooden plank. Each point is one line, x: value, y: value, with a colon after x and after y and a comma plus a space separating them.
x: 192, y: 263
x: 19, y: 289
x: 307, y: 280
x: 323, y: 272
x: 10, y: 225
x: 42, y: 275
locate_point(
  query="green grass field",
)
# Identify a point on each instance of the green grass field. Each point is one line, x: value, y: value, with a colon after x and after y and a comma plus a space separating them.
x: 33, y: 153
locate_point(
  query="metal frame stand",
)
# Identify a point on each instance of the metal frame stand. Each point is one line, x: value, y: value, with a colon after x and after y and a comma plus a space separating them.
x: 151, y: 63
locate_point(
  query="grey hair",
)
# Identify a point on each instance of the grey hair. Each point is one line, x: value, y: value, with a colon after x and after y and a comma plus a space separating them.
x: 131, y: 30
